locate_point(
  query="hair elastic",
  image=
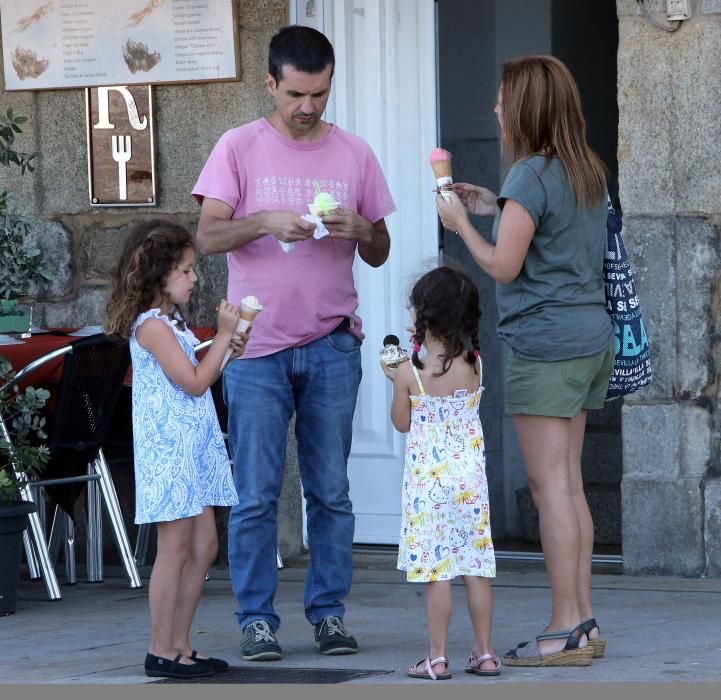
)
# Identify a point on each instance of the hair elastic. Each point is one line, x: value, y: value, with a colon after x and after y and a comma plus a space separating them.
x: 476, y: 354
x: 416, y: 347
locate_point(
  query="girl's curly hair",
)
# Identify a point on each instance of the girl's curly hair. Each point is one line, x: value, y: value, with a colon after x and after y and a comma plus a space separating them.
x: 151, y: 251
x: 446, y: 304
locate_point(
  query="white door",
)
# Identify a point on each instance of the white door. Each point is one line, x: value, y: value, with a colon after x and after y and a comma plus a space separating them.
x: 384, y: 90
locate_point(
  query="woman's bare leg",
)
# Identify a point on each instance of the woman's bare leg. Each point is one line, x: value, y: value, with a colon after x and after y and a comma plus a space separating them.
x: 585, y: 522
x: 546, y: 443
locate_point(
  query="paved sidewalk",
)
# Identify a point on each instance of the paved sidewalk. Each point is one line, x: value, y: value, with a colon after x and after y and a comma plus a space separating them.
x: 658, y: 629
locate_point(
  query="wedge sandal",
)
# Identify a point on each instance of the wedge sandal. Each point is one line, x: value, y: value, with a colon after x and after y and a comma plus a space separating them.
x: 571, y: 654
x: 598, y: 645
x: 429, y: 674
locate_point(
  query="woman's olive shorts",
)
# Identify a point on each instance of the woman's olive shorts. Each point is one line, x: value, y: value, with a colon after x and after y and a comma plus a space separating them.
x: 562, y: 388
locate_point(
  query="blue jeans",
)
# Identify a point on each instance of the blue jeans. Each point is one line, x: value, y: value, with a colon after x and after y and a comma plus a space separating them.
x: 320, y: 382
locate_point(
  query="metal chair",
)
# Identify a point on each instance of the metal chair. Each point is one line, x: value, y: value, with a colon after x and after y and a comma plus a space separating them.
x: 94, y: 369
x: 142, y: 540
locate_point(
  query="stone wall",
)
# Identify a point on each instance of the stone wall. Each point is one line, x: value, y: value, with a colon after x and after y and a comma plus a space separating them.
x: 80, y: 242
x: 669, y: 109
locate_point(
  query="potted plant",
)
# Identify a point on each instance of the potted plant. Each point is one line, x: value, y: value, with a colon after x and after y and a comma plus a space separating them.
x: 21, y: 265
x: 21, y: 457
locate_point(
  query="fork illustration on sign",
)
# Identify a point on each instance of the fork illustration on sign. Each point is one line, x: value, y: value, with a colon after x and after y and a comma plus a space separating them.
x: 122, y: 152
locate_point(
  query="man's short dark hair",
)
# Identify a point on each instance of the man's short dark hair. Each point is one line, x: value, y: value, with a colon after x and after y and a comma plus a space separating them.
x: 304, y: 48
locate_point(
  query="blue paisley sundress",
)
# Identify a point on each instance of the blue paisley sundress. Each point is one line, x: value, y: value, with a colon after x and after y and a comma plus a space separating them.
x: 181, y: 463
x: 445, y: 522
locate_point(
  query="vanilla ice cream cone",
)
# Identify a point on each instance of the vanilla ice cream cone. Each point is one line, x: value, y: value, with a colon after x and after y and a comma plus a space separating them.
x: 250, y: 307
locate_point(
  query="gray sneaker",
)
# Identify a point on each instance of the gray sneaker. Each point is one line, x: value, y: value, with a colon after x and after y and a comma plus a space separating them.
x: 333, y: 638
x: 259, y: 643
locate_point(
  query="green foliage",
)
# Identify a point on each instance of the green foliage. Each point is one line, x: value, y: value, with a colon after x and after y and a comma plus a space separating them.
x: 20, y: 269
x: 21, y: 266
x: 21, y: 413
x: 9, y: 126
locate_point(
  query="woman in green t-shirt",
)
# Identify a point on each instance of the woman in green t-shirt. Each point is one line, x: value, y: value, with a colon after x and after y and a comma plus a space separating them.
x: 547, y: 258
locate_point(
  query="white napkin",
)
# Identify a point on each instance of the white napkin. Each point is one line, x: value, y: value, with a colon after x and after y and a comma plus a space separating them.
x: 320, y: 231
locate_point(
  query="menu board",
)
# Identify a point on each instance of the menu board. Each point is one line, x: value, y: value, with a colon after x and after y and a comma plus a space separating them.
x: 50, y: 44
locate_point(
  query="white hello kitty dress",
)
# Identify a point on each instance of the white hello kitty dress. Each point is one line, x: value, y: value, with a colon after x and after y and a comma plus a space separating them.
x: 445, y: 523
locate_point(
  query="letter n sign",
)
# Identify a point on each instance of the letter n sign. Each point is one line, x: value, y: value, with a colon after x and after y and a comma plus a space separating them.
x: 121, y: 157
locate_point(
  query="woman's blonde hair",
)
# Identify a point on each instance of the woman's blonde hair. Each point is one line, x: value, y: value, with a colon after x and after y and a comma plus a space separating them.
x: 151, y: 251
x: 542, y: 115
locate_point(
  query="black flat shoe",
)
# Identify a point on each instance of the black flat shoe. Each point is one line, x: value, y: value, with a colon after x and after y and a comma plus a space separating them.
x: 218, y: 665
x: 159, y: 667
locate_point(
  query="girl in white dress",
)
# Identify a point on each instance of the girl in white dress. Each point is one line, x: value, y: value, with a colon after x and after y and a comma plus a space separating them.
x: 445, y: 524
x: 181, y: 463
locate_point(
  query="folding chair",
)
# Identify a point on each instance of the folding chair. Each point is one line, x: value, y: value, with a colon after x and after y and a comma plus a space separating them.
x: 93, y: 372
x: 142, y: 540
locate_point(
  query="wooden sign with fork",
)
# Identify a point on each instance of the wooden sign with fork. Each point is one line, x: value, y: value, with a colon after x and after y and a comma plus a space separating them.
x: 121, y: 158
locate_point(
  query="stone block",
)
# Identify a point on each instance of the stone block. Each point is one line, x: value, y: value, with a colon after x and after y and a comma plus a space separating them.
x: 645, y: 103
x: 666, y: 441
x: 663, y: 527
x: 695, y: 440
x: 62, y: 167
x: 697, y: 108
x: 602, y: 457
x: 651, y: 246
x: 665, y: 162
x: 697, y: 265
x: 712, y: 526
x: 259, y: 13
x: 55, y: 243
x: 87, y: 307
x: 651, y: 441
x: 711, y: 7
x: 98, y: 250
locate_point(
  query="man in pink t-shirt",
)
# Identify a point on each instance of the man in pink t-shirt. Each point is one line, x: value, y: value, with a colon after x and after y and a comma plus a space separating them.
x: 303, y: 355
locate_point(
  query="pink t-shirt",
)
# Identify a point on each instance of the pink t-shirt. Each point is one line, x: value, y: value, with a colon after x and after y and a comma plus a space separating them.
x: 308, y: 291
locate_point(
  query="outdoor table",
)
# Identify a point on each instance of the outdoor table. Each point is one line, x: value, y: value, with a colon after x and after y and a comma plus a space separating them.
x: 24, y: 350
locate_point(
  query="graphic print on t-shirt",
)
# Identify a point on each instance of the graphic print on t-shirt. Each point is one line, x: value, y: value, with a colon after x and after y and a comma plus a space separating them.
x: 289, y: 191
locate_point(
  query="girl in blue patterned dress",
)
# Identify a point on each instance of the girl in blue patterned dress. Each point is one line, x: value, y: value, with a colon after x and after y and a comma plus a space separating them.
x: 445, y: 524
x: 181, y: 463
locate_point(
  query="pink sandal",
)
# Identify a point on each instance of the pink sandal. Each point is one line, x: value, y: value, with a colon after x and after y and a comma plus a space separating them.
x: 475, y: 662
x: 429, y: 674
